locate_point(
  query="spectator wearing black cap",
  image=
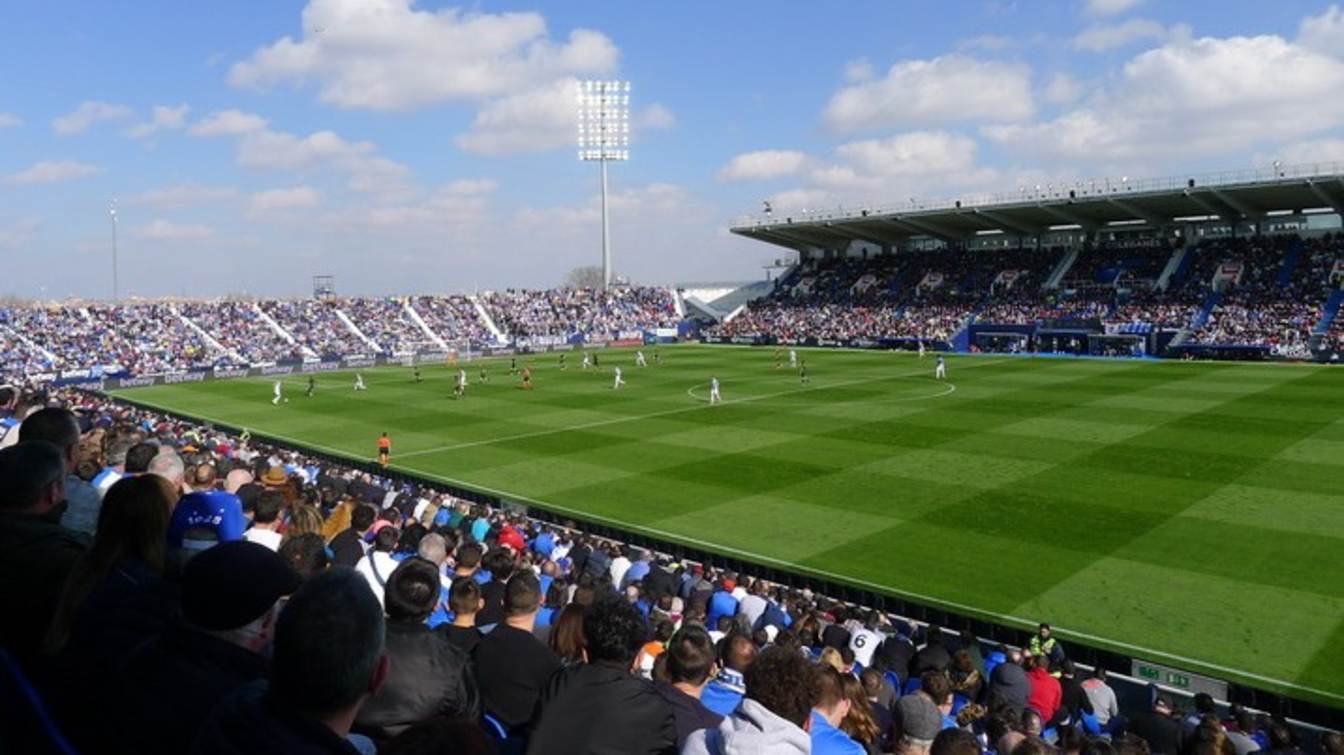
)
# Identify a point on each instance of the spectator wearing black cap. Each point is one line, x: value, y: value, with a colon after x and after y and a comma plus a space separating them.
x: 512, y: 665
x: 60, y: 428
x: 601, y: 705
x: 230, y: 600
x: 429, y: 677
x: 328, y: 661
x: 36, y: 552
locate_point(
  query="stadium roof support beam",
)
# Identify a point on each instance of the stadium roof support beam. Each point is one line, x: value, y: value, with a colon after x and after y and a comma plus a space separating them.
x: 1069, y: 217
x: 1329, y: 197
x: 872, y: 238
x: 927, y: 228
x: 1214, y: 206
x: 814, y: 236
x: 1156, y: 221
x: 1246, y: 210
x: 1020, y: 228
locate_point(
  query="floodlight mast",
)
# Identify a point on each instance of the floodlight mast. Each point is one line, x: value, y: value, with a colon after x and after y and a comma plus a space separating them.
x: 604, y: 134
x: 116, y: 288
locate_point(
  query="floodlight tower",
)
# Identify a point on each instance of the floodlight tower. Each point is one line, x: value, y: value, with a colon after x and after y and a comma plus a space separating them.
x: 112, y: 212
x: 604, y: 135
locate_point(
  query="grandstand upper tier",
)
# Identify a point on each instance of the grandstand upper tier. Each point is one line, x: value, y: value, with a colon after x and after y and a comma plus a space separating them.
x: 1243, y: 265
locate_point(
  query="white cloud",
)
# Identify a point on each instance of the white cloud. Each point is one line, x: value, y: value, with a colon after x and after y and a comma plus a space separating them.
x: 471, y: 186
x: 164, y: 118
x: 228, y: 123
x: 182, y: 195
x: 951, y: 88
x: 297, y: 197
x: 531, y: 121
x: 387, y: 55
x: 10, y: 121
x: 462, y: 205
x: 859, y: 70
x: 761, y: 164
x: 917, y: 163
x: 19, y: 233
x: 1101, y: 38
x: 366, y: 172
x: 986, y: 43
x: 1313, y: 151
x: 87, y: 114
x: 1192, y: 98
x: 1109, y: 7
x: 1062, y: 89
x: 655, y: 117
x: 164, y: 230
x: 52, y: 172
x: 1323, y: 33
x: 263, y: 148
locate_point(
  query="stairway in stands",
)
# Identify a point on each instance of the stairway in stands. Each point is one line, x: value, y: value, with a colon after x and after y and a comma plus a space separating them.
x: 1332, y: 306
x: 1290, y: 263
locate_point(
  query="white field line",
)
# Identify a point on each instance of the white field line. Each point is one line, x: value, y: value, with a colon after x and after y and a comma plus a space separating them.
x: 1141, y: 650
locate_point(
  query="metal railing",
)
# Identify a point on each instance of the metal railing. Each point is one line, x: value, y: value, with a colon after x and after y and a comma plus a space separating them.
x: 1098, y: 187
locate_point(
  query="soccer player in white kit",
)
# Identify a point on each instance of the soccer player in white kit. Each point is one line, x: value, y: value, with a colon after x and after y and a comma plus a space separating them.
x: 793, y: 359
x: 359, y: 382
x: 940, y: 369
x: 461, y: 390
x: 921, y: 349
x: 619, y: 380
x: 714, y: 397
x: 586, y: 361
x: 639, y: 359
x: 276, y: 400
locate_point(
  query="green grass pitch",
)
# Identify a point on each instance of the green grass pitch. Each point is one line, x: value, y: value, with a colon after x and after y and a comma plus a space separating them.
x: 1192, y: 514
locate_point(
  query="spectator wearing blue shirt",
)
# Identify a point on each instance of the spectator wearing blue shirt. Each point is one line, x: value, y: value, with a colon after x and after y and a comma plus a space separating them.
x: 480, y: 528
x: 544, y: 543
x: 828, y: 711
x: 722, y: 603
x: 639, y: 569
x: 724, y: 693
x: 434, y: 549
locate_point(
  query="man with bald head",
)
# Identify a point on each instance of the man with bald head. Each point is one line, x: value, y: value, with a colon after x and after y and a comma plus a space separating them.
x: 59, y: 428
x: 236, y: 478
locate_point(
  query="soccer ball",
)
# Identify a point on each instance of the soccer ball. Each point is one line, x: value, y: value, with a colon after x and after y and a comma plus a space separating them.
x: 286, y: 401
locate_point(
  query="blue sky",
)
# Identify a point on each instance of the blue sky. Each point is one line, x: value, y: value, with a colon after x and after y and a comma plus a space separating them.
x: 409, y: 147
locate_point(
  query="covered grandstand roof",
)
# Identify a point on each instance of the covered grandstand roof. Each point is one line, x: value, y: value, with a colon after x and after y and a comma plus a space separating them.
x: 1247, y: 195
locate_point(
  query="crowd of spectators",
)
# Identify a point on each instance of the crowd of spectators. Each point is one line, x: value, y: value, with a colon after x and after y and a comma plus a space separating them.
x: 389, y: 325
x: 561, y: 313
x: 453, y: 318
x: 153, y: 338
x: 1274, y: 302
x: 316, y: 327
x: 240, y: 328
x: 201, y: 592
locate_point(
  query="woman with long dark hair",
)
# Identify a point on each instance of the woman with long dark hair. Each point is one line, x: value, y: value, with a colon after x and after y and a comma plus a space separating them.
x: 115, y: 599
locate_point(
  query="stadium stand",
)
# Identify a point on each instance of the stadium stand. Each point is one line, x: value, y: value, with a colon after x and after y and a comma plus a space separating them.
x: 191, y: 628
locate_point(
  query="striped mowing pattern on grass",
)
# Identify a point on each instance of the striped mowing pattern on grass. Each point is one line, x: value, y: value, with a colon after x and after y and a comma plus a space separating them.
x: 1186, y: 512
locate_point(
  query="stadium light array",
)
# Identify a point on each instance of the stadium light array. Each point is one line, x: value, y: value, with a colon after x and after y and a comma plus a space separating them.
x: 604, y: 136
